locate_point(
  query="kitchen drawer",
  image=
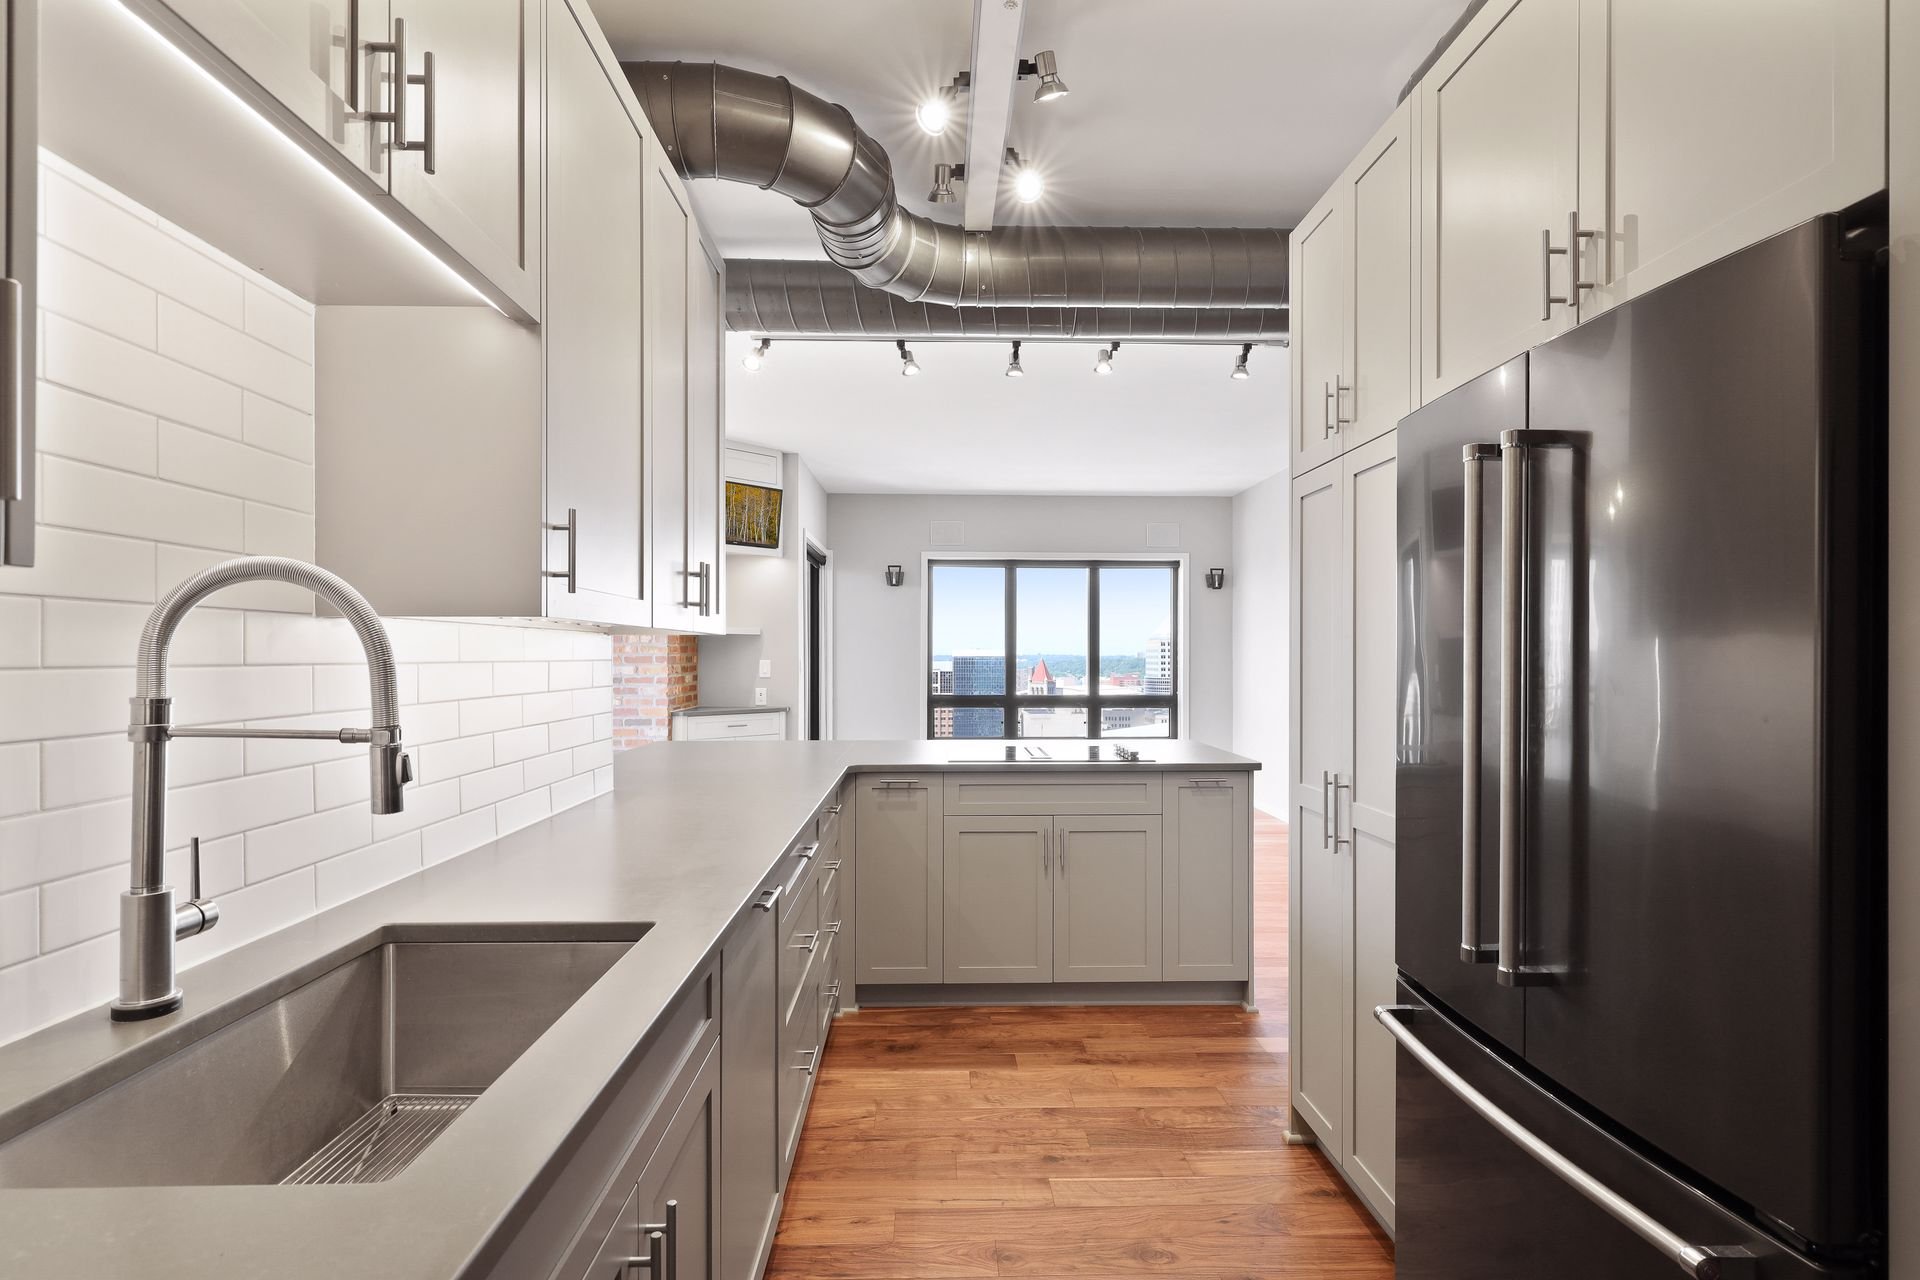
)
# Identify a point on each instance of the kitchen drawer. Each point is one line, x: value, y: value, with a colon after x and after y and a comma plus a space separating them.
x: 746, y: 726
x: 799, y: 1051
x: 798, y: 872
x: 830, y: 896
x: 799, y: 943
x: 828, y: 822
x: 971, y: 794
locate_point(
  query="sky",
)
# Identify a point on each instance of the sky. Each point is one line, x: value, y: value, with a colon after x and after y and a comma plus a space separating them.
x: 969, y: 603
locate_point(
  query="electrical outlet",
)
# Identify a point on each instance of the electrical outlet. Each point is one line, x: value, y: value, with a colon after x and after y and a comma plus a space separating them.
x: 766, y: 668
x: 760, y: 697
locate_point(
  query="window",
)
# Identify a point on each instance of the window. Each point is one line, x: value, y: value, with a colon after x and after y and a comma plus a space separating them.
x: 1052, y: 649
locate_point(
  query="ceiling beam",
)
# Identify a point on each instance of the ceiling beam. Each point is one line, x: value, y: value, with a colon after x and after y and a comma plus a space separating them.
x: 995, y: 72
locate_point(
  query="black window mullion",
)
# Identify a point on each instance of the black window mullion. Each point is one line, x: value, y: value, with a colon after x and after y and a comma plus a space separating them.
x: 1009, y: 718
x: 1093, y: 650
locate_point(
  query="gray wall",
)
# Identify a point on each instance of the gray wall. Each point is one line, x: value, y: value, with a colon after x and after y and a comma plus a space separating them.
x: 878, y: 680
x: 1262, y: 525
x: 764, y: 592
x: 1903, y: 706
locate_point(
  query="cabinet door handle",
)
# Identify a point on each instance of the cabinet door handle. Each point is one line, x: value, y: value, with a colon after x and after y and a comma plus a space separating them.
x: 809, y: 1055
x: 1327, y: 423
x: 1571, y: 252
x: 572, y: 529
x: 832, y: 866
x: 1046, y: 853
x: 662, y: 1260
x: 806, y: 851
x: 706, y: 589
x: 13, y: 403
x: 812, y: 941
x: 1326, y: 810
x: 1333, y: 814
x: 1339, y: 389
x: 767, y: 898
x: 832, y: 810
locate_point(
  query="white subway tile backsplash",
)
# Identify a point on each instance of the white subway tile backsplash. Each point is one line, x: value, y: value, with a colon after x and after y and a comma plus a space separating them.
x: 81, y: 289
x: 19, y: 631
x: 201, y: 342
x: 74, y: 425
x: 274, y: 851
x: 79, y: 495
x: 86, y: 566
x: 443, y: 840
x: 19, y: 926
x: 196, y: 457
x: 19, y: 779
x: 102, y: 365
x: 177, y: 431
x: 592, y: 756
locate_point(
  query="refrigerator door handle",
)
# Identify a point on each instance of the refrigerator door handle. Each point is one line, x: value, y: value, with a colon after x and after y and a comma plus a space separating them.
x: 1516, y: 515
x: 1702, y: 1262
x: 1472, y: 950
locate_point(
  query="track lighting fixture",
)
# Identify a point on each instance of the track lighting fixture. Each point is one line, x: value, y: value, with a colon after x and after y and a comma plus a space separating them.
x: 936, y: 113
x: 1047, y: 69
x: 757, y: 357
x: 1028, y: 185
x: 1103, y: 362
x: 944, y: 176
x: 909, y: 367
x: 1240, y: 371
x: 1013, y: 366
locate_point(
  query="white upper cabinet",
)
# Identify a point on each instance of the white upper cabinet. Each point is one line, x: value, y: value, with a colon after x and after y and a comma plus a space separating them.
x: 706, y: 434
x: 669, y: 262
x: 312, y: 58
x: 1317, y: 278
x: 1500, y: 147
x: 1649, y: 137
x: 466, y: 158
x: 1715, y: 123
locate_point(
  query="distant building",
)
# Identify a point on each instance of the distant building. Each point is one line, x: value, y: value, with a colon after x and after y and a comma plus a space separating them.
x: 942, y: 677
x: 976, y: 672
x: 1159, y: 662
x: 1040, y: 681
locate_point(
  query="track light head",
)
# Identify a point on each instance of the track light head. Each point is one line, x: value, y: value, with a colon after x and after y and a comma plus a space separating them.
x: 754, y: 359
x: 944, y: 176
x: 909, y: 367
x: 935, y: 114
x: 1103, y: 362
x: 1028, y: 185
x: 1240, y: 371
x: 1013, y: 366
x: 1051, y: 85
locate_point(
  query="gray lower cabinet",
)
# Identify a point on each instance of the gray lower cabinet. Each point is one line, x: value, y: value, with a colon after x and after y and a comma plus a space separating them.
x: 749, y: 1092
x: 901, y: 878
x: 1107, y: 898
x: 998, y: 901
x: 1206, y: 905
x: 673, y: 1206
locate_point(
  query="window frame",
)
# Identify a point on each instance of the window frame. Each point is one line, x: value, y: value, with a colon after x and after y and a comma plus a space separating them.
x: 1010, y: 702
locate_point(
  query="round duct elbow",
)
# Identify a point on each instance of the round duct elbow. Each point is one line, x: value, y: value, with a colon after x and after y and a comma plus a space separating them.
x: 721, y: 122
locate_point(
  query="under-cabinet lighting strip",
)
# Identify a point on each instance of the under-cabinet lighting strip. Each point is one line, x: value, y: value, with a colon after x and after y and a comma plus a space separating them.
x: 129, y: 7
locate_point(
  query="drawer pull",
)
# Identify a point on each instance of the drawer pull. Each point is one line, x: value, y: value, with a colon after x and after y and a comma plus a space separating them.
x: 806, y: 851
x: 833, y: 811
x: 767, y: 898
x: 1209, y: 783
x: 832, y: 866
x: 908, y: 784
x: 812, y: 941
x: 661, y: 1261
x: 833, y: 928
x: 809, y: 1055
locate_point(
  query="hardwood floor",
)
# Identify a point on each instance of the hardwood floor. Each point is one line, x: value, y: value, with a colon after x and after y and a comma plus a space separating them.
x: 1091, y: 1143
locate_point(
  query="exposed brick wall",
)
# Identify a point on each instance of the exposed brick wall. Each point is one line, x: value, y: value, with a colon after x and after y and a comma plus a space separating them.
x: 654, y: 675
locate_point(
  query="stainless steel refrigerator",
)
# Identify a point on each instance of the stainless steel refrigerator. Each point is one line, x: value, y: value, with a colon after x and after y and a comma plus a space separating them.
x: 1640, y: 916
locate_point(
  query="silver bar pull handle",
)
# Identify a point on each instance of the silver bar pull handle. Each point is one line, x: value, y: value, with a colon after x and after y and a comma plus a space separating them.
x: 1326, y: 810
x: 396, y: 112
x: 706, y: 589
x: 1340, y: 389
x: 1702, y: 1262
x: 426, y: 80
x: 1472, y: 650
x: 1333, y: 814
x: 911, y: 784
x: 572, y: 572
x: 13, y: 392
x: 1328, y: 425
x: 767, y: 898
x: 1516, y: 516
x: 1571, y: 252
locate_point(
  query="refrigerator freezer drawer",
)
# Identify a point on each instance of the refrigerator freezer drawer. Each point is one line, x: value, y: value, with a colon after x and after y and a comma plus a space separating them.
x: 1473, y: 1203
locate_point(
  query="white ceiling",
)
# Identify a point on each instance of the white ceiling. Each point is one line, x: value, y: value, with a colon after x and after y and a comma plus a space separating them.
x: 1168, y: 420
x: 1204, y: 113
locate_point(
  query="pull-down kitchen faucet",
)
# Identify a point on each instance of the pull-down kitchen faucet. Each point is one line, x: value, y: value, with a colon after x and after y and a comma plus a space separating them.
x: 150, y: 922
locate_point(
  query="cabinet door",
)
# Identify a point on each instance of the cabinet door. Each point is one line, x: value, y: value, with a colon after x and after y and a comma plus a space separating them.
x: 1499, y: 158
x: 1381, y: 360
x: 1320, y: 904
x: 706, y: 414
x: 999, y: 925
x: 312, y: 58
x: 669, y: 235
x: 1318, y: 289
x: 685, y: 1170
x: 1716, y: 123
x: 1208, y: 873
x: 1107, y: 886
x: 1366, y: 816
x: 596, y: 456
x: 477, y: 118
x: 898, y: 824
x: 749, y: 1095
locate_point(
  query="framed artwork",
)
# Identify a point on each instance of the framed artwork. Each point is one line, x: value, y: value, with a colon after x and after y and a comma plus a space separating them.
x: 753, y: 516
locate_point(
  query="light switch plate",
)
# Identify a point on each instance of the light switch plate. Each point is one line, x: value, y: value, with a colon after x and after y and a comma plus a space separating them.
x: 760, y: 697
x: 766, y: 668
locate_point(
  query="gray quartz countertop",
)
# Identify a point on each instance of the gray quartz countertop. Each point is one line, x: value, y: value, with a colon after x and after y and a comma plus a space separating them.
x: 683, y: 842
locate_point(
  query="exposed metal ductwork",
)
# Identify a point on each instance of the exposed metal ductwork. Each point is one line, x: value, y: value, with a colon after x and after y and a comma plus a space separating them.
x: 793, y: 299
x: 722, y: 122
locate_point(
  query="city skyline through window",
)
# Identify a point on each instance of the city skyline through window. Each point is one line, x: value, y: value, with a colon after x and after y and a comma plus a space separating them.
x: 1052, y: 649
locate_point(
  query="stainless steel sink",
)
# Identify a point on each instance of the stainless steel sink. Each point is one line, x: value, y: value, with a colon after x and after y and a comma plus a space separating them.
x: 343, y: 1079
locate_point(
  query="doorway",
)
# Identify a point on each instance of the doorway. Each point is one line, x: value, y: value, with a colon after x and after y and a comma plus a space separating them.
x: 819, y: 644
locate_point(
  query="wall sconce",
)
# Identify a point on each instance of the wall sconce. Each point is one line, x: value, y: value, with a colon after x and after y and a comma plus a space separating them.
x: 1216, y: 579
x: 895, y: 575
